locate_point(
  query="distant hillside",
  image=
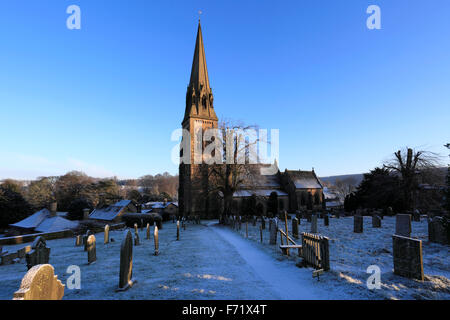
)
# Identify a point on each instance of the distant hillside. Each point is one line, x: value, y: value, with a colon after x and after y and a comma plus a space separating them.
x: 332, y: 179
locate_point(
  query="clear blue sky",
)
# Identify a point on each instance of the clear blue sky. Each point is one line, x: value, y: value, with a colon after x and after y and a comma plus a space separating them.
x: 105, y: 99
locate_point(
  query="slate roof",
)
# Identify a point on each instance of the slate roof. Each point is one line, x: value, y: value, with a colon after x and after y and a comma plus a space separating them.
x: 258, y: 193
x: 304, y: 179
x: 111, y: 212
x: 42, y: 221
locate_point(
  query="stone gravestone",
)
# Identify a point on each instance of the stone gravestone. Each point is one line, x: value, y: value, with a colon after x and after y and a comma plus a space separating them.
x: 39, y: 253
x: 85, y: 237
x: 21, y: 253
x: 40, y: 283
x: 135, y: 228
x: 376, y: 222
x: 439, y: 230
x: 295, y: 227
x: 309, y: 216
x: 91, y: 249
x: 403, y: 225
x: 407, y: 254
x: 156, y: 237
x: 358, y: 225
x: 263, y: 223
x: 314, y: 223
x: 78, y: 241
x: 254, y: 221
x: 326, y: 219
x: 273, y: 231
x: 107, y: 233
x: 148, y: 231
x: 126, y: 263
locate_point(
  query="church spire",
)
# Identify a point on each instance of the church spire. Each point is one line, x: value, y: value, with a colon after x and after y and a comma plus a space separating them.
x: 199, y: 72
x: 199, y: 96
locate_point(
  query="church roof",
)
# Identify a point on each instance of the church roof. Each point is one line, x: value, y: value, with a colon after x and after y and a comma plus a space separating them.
x: 304, y: 179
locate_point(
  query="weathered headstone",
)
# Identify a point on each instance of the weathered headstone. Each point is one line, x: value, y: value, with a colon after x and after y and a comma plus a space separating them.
x: 155, y: 235
x: 273, y: 231
x: 106, y: 234
x: 314, y: 223
x: 178, y: 230
x: 86, y: 213
x: 21, y: 253
x: 389, y: 211
x: 126, y: 263
x: 263, y: 223
x: 39, y: 253
x: 254, y: 221
x: 137, y: 241
x: 403, y: 225
x: 135, y: 228
x: 358, y: 224
x: 78, y: 241
x: 148, y: 231
x: 407, y: 254
x: 439, y: 230
x: 85, y: 237
x: 295, y: 228
x: 91, y: 249
x: 376, y: 222
x: 40, y: 283
x: 326, y: 219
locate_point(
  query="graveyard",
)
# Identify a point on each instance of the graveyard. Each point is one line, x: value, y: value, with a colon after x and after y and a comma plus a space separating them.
x: 216, y: 262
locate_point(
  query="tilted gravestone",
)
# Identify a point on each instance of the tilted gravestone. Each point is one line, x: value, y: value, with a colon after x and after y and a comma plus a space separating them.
x: 326, y: 219
x: 403, y: 225
x: 376, y: 222
x: 91, y: 249
x: 39, y: 253
x: 106, y: 234
x: 40, y: 283
x: 408, y: 259
x: 126, y: 263
x: 314, y: 223
x: 273, y: 232
x: 295, y: 228
x: 78, y: 241
x: 439, y: 230
x: 358, y: 224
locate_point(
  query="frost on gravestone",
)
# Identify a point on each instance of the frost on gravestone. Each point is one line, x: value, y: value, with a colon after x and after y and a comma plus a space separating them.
x: 403, y: 225
x: 85, y: 237
x: 91, y: 249
x: 358, y: 224
x: 408, y: 259
x: 40, y: 283
x: 39, y: 253
x: 126, y: 263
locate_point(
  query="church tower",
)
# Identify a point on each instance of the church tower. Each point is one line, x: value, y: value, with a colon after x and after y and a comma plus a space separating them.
x: 199, y: 113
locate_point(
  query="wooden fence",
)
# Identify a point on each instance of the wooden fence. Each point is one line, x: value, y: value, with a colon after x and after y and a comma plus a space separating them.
x: 315, y: 251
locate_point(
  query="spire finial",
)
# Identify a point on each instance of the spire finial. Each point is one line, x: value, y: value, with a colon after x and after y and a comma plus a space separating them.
x: 199, y: 15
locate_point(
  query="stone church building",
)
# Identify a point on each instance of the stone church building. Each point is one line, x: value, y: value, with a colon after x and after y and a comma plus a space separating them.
x: 295, y: 189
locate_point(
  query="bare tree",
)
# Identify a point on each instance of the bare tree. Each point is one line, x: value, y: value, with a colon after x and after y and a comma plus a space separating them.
x: 344, y: 187
x: 234, y: 170
x: 409, y: 164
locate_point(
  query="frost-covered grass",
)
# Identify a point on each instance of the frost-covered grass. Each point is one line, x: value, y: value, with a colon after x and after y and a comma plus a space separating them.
x: 216, y: 262
x: 351, y: 253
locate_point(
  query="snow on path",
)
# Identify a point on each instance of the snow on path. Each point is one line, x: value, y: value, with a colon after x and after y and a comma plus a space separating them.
x: 286, y: 279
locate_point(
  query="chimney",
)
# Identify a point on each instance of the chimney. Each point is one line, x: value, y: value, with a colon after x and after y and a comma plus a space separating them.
x: 86, y: 213
x: 53, y: 208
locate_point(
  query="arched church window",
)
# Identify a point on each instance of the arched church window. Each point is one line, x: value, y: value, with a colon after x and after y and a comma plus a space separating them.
x: 204, y: 102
